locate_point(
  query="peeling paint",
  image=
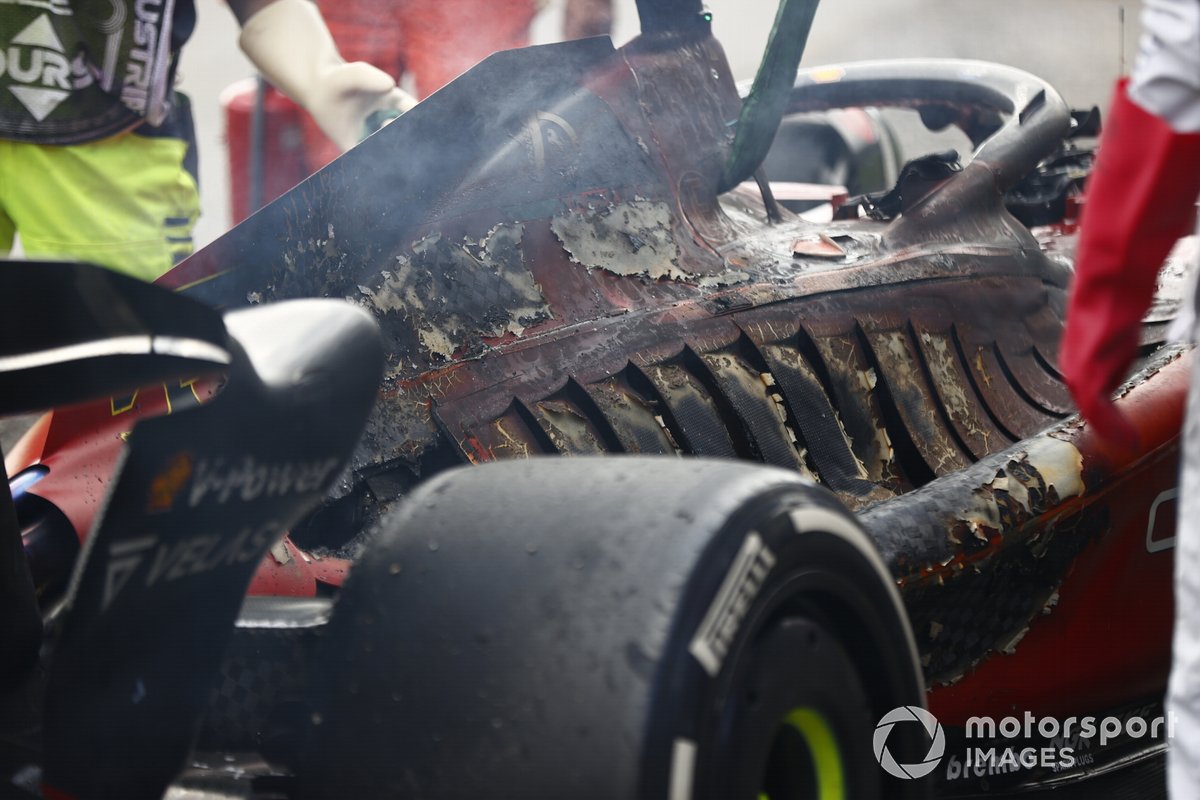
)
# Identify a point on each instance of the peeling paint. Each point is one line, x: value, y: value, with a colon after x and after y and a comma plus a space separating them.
x: 632, y: 419
x: 897, y: 345
x: 567, y: 428
x: 942, y: 363
x: 883, y: 445
x: 729, y: 277
x: 1060, y: 464
x: 667, y: 432
x: 457, y: 293
x: 1009, y: 647
x: 763, y: 410
x: 519, y: 448
x: 281, y: 553
x: 868, y: 380
x: 1047, y: 472
x: 903, y: 377
x: 624, y: 239
x: 789, y: 358
x: 854, y: 389
x: 1051, y: 602
x: 401, y: 423
x: 981, y: 368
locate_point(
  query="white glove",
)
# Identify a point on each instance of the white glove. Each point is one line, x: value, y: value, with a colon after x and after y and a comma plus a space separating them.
x: 291, y: 46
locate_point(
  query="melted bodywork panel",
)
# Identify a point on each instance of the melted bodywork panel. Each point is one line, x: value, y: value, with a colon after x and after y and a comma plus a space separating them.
x: 967, y: 413
x: 561, y: 276
x: 573, y: 228
x: 437, y: 290
x: 626, y: 239
x: 853, y: 382
x: 977, y: 557
x: 981, y: 553
x: 634, y: 420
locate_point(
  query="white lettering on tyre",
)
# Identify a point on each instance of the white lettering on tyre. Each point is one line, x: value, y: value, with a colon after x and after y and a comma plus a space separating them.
x: 741, y: 585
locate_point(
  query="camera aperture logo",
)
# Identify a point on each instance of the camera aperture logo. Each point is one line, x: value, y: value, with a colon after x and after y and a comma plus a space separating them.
x: 1015, y: 744
x: 908, y: 715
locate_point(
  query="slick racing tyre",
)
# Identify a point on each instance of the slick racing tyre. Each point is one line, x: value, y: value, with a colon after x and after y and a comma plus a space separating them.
x: 614, y: 628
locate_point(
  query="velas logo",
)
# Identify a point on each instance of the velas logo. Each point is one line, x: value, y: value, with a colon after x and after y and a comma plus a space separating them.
x: 909, y: 715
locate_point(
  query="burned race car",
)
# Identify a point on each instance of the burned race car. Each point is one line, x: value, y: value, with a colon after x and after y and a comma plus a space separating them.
x: 573, y: 250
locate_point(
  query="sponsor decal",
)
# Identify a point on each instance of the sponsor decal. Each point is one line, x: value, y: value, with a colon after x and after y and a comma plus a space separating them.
x: 123, y: 560
x: 547, y: 132
x: 177, y: 396
x: 135, y: 92
x: 40, y: 73
x: 218, y: 481
x: 741, y: 585
x: 1160, y: 528
x: 60, y: 8
x: 167, y: 484
x: 167, y: 562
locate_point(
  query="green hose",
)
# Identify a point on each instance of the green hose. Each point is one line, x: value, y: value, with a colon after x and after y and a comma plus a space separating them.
x: 763, y: 109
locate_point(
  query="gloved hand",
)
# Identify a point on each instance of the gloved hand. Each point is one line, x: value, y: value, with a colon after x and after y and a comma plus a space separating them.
x: 291, y: 46
x: 1140, y: 199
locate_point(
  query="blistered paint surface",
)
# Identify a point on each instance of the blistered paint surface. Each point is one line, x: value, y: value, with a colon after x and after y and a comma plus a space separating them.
x: 625, y: 239
x: 457, y: 293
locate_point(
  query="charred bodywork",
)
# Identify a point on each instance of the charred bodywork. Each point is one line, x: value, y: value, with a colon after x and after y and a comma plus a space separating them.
x: 557, y: 268
x: 588, y: 234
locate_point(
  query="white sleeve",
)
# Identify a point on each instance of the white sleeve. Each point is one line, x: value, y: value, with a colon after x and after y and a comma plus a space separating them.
x: 1166, y: 76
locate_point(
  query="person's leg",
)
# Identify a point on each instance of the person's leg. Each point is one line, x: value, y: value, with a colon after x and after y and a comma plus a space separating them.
x: 7, y: 229
x: 7, y: 232
x: 1183, y: 696
x: 127, y: 202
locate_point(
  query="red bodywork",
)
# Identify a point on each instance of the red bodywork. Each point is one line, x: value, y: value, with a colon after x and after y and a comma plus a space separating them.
x: 1108, y: 640
x: 676, y: 357
x: 81, y: 446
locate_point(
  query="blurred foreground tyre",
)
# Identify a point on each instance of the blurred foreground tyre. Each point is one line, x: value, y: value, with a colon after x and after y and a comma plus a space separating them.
x: 614, y: 628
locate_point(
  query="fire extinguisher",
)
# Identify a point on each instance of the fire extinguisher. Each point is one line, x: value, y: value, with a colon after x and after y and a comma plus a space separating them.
x: 264, y: 137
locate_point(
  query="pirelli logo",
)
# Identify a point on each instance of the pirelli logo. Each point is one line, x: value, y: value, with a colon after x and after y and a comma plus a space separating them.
x: 741, y: 585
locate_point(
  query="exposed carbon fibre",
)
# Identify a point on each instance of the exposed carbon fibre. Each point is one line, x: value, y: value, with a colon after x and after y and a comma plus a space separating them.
x: 853, y: 381
x: 901, y: 375
x: 975, y: 553
x: 826, y: 439
x: 263, y: 674
x: 764, y: 417
x: 634, y: 420
x: 692, y: 411
x: 972, y: 423
x: 895, y: 400
x: 606, y: 298
x: 506, y: 436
